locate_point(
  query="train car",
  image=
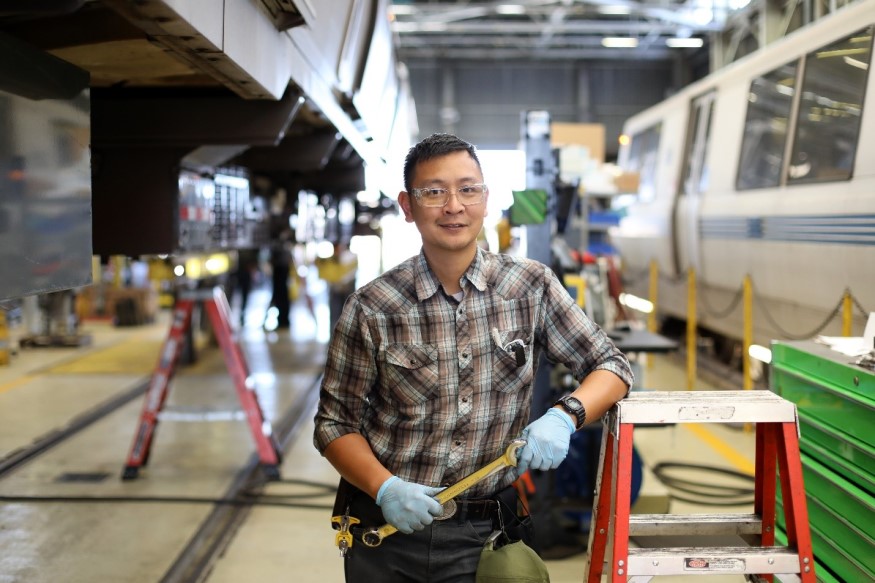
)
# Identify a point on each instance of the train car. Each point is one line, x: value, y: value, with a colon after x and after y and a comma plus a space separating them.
x: 45, y: 193
x: 179, y: 113
x: 762, y: 169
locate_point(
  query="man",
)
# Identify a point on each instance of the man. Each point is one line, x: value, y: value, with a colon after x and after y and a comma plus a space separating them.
x: 429, y: 377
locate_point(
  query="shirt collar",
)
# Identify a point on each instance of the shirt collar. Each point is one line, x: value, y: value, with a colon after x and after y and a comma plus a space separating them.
x: 427, y: 284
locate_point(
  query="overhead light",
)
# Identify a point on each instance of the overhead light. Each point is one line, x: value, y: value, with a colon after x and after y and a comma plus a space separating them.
x: 510, y: 9
x: 636, y: 303
x: 433, y: 27
x: 619, y: 42
x: 684, y: 43
x: 614, y: 10
x: 405, y: 9
x: 760, y: 353
x: 856, y: 63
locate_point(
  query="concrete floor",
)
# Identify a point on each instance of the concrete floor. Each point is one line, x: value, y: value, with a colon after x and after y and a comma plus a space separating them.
x: 49, y: 533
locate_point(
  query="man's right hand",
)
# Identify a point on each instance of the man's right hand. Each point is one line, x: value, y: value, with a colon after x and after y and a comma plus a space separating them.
x: 408, y: 506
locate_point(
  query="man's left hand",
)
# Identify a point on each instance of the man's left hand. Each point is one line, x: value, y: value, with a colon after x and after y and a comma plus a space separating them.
x: 547, y: 442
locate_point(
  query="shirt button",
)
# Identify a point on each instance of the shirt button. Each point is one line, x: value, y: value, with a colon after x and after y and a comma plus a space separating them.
x: 458, y: 443
x: 464, y: 355
x: 464, y: 399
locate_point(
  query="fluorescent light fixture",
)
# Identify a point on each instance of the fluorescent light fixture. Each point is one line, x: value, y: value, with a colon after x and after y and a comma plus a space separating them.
x: 760, y: 353
x: 684, y: 43
x: 619, y: 42
x: 855, y: 63
x: 433, y: 27
x: 614, y: 10
x: 636, y: 303
x: 405, y: 9
x: 510, y: 9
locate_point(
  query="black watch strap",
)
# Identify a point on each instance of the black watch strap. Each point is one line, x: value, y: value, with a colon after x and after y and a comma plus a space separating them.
x: 573, y: 407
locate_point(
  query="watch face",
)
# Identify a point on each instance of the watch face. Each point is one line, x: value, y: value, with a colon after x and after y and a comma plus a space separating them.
x: 575, y: 407
x: 574, y: 402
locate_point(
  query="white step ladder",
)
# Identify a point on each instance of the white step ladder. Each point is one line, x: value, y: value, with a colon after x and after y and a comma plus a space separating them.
x: 777, y: 448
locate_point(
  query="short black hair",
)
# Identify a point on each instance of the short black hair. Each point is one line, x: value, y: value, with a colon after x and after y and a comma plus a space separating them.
x: 433, y: 146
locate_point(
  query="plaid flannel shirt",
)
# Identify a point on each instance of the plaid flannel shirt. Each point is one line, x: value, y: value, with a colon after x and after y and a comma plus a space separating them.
x: 429, y: 381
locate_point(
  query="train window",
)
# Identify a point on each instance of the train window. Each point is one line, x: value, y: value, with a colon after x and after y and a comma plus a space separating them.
x: 765, y: 128
x: 830, y: 108
x: 698, y: 137
x: 642, y: 159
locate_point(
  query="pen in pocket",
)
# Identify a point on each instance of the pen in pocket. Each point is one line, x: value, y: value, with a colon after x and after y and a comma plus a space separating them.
x: 516, y: 347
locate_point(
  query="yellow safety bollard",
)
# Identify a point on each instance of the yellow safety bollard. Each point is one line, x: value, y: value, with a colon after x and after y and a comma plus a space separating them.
x: 4, y: 339
x: 747, y: 286
x: 691, y: 330
x: 654, y: 295
x: 847, y: 314
x: 748, y: 333
x: 654, y: 298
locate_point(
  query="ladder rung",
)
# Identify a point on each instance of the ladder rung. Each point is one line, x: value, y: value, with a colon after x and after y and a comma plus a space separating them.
x: 694, y: 524
x: 666, y: 407
x: 712, y: 560
x: 195, y: 414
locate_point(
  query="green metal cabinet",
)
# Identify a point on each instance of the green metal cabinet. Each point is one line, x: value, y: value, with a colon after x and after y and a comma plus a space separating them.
x: 835, y: 399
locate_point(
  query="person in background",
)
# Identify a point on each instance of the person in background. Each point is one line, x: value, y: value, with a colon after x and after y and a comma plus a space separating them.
x: 280, y: 266
x: 339, y: 272
x: 429, y: 377
x: 246, y: 274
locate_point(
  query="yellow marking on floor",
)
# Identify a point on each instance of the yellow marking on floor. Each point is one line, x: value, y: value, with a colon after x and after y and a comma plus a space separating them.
x: 16, y: 383
x: 740, y: 461
x: 132, y: 356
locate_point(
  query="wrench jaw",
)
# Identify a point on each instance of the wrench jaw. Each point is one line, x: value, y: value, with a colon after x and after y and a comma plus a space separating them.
x: 372, y: 537
x: 513, y: 450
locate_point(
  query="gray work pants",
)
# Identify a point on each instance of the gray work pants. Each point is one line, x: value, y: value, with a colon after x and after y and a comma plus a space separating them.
x: 444, y: 552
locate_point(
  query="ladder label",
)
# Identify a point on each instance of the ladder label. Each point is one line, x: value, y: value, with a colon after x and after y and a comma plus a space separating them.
x: 700, y: 564
x: 706, y: 412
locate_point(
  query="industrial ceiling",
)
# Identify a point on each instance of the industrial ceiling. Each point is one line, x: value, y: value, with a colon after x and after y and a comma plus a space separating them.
x: 595, y: 29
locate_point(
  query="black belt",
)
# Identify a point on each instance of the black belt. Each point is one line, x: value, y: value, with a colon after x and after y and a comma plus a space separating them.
x: 474, y: 509
x: 466, y: 509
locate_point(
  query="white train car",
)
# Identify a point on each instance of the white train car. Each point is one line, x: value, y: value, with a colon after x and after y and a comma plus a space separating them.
x: 764, y: 169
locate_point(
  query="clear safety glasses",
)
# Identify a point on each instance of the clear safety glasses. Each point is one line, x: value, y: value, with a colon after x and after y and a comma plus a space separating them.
x: 439, y: 197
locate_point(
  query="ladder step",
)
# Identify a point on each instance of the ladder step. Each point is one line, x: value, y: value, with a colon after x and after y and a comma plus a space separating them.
x: 712, y: 560
x: 667, y: 407
x: 195, y: 415
x: 694, y: 524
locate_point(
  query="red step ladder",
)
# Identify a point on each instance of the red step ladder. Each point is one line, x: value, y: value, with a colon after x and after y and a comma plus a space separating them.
x: 217, y: 309
x: 777, y: 440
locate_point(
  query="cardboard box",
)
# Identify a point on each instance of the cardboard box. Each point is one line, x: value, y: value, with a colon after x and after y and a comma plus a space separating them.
x: 627, y: 182
x: 139, y: 304
x: 589, y: 135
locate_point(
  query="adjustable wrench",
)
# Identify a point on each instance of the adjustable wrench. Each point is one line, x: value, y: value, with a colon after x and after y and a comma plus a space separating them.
x: 374, y: 536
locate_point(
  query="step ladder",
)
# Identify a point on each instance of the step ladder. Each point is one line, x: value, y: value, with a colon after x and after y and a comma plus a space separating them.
x: 777, y: 447
x: 218, y: 311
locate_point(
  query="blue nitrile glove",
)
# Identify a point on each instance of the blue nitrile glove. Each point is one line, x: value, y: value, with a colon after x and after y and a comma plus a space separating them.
x: 547, y: 440
x: 408, y: 506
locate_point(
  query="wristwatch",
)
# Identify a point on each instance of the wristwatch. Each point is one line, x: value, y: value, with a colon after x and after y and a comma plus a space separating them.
x: 574, y: 407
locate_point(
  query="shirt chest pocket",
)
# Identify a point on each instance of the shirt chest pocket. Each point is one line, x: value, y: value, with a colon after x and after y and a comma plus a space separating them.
x: 512, y: 357
x: 412, y: 371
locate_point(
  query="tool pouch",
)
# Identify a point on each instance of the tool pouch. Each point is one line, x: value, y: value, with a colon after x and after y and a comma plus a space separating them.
x: 507, y: 556
x: 352, y: 501
x: 514, y: 562
x: 342, y: 500
x: 513, y: 519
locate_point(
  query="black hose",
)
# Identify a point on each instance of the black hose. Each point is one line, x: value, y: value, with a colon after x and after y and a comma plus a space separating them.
x: 706, y: 493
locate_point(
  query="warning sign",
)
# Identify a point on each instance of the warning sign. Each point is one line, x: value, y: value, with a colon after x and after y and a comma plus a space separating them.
x: 707, y: 564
